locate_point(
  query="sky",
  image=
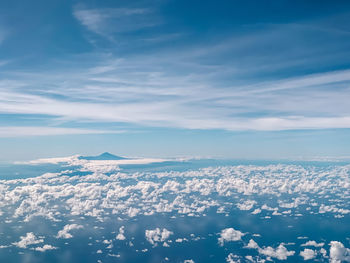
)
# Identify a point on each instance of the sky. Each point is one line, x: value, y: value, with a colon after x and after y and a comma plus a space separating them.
x: 227, y: 79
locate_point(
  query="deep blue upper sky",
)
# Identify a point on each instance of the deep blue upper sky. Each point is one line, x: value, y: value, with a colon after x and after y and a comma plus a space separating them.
x: 242, y: 79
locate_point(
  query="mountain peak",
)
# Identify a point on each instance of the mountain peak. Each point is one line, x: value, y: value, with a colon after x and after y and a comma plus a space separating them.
x: 103, y: 156
x: 107, y: 154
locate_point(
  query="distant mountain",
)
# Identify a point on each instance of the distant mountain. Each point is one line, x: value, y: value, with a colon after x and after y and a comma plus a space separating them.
x: 103, y: 156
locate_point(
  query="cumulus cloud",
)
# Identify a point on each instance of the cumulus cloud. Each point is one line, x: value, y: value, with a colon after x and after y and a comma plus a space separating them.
x: 88, y: 196
x: 332, y: 208
x: 280, y: 252
x: 27, y: 240
x: 44, y: 248
x: 252, y: 244
x: 99, y: 196
x: 256, y: 211
x: 120, y: 235
x: 308, y: 254
x: 246, y: 205
x: 65, y: 232
x: 338, y: 253
x: 132, y: 211
x: 323, y: 252
x: 157, y: 235
x: 232, y: 258
x: 229, y: 234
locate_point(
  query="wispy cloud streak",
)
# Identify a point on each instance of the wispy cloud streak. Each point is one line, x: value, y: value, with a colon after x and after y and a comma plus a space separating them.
x: 109, y: 21
x: 199, y: 107
x: 231, y: 84
x: 25, y: 131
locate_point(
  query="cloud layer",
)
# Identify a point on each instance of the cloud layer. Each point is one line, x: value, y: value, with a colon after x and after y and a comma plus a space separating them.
x: 85, y: 198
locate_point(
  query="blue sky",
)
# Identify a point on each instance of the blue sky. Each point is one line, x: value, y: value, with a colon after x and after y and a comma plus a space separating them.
x: 238, y: 79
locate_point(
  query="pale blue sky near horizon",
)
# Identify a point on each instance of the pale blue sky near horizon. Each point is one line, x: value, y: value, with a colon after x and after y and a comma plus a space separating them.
x: 228, y: 79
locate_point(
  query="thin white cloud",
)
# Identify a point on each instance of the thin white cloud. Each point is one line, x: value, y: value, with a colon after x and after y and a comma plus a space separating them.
x: 312, y: 243
x: 3, y: 62
x: 157, y: 114
x: 3, y: 34
x: 108, y: 21
x: 23, y: 131
x: 158, y: 99
x: 174, y: 87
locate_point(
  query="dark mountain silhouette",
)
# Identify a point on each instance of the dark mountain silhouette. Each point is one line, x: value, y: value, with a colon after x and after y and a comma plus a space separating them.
x: 103, y: 156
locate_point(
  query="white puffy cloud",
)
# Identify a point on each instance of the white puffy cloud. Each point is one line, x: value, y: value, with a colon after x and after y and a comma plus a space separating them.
x: 56, y: 195
x: 65, y: 232
x: 229, y: 234
x: 120, y: 235
x: 98, y: 196
x: 132, y: 211
x: 232, y: 258
x: 180, y: 240
x: 246, y: 205
x: 338, y: 253
x: 44, y: 248
x: 323, y: 252
x: 266, y: 207
x: 157, y: 235
x: 256, y: 211
x: 308, y: 254
x: 27, y: 240
x: 280, y: 252
x: 252, y: 244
